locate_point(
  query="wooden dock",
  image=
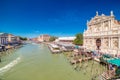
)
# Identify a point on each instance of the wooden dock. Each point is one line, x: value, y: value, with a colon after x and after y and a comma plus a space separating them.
x: 80, y: 60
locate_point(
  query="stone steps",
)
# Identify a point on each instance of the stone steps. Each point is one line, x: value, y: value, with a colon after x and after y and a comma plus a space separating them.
x: 104, y: 76
x: 101, y: 77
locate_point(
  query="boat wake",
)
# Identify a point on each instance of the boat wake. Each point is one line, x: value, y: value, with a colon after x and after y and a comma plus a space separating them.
x: 10, y: 65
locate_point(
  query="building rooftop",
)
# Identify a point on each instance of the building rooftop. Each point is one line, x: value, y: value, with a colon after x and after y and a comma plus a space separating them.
x: 65, y: 38
x: 98, y: 18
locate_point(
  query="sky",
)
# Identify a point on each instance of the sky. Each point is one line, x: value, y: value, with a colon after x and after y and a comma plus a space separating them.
x: 31, y: 18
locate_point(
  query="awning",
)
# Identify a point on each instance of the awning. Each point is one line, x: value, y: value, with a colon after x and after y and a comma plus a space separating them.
x: 114, y: 62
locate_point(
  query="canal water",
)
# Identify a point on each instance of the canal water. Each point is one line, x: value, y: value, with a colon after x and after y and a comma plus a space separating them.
x: 35, y: 62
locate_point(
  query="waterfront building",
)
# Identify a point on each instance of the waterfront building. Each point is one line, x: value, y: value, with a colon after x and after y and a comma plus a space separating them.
x: 43, y: 38
x: 105, y: 28
x: 34, y: 39
x: 6, y: 38
x: 65, y: 39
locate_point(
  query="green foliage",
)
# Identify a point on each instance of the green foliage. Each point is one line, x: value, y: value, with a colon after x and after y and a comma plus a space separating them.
x: 52, y: 38
x: 23, y: 38
x: 79, y: 39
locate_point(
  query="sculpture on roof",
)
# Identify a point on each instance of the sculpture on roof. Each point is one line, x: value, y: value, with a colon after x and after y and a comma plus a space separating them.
x: 111, y: 13
x: 96, y: 13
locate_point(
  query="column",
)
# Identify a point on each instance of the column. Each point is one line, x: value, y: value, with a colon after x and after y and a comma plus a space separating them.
x: 87, y: 42
x: 111, y: 42
x: 102, y: 42
x: 103, y: 26
x: 109, y: 25
x: 109, y: 39
x: 85, y: 39
x: 119, y: 42
x: 118, y: 52
x: 94, y: 43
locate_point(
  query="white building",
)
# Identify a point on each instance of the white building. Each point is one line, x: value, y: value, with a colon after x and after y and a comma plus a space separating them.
x: 43, y: 38
x: 6, y: 38
x: 65, y: 39
x: 105, y: 28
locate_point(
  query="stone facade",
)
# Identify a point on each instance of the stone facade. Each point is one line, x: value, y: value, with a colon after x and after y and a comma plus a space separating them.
x: 106, y: 28
x: 6, y: 38
x: 44, y: 38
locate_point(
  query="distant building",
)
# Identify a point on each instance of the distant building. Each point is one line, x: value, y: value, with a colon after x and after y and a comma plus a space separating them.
x: 44, y: 38
x: 6, y: 38
x: 65, y: 39
x: 105, y: 28
x: 34, y: 39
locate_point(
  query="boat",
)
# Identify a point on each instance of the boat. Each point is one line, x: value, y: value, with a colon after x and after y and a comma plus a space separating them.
x: 66, y: 47
x: 54, y: 48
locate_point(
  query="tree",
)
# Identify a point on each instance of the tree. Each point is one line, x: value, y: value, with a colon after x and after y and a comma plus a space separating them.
x: 52, y: 38
x: 79, y: 39
x: 23, y: 38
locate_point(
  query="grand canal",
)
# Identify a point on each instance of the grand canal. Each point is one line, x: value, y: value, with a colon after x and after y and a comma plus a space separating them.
x: 35, y: 62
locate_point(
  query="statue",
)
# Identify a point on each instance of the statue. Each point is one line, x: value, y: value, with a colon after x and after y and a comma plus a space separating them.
x: 96, y: 13
x: 111, y: 13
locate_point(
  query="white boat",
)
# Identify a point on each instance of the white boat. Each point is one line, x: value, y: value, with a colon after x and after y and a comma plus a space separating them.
x: 54, y: 48
x: 66, y: 47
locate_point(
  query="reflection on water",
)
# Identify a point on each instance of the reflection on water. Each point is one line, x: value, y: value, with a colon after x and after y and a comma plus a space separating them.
x: 10, y: 65
x: 37, y: 63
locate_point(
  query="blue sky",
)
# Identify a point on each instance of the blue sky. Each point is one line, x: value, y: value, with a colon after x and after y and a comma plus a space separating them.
x: 55, y: 17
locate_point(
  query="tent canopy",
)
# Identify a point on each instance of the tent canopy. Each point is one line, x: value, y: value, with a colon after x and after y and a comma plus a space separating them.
x: 114, y: 62
x: 107, y: 56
